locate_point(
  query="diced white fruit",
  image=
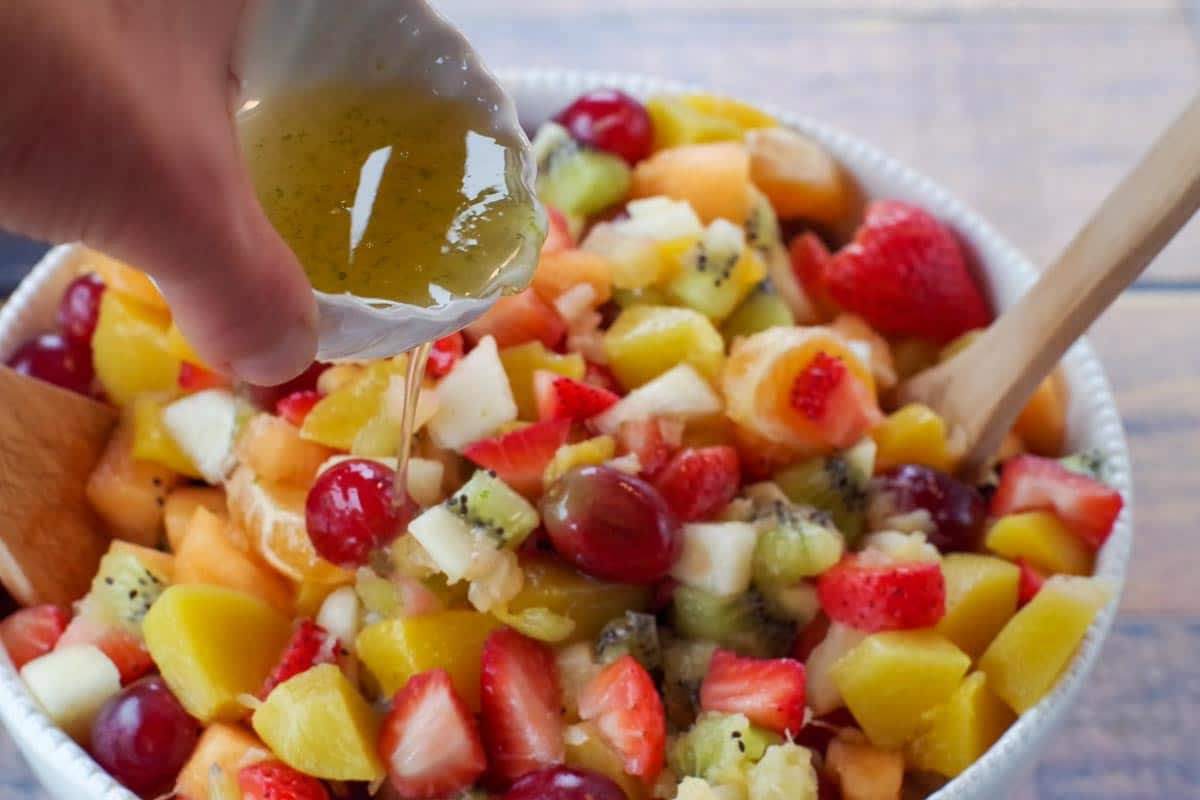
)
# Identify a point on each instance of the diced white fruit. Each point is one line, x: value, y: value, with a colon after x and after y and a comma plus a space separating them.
x: 203, y: 425
x: 821, y: 692
x: 862, y: 456
x: 636, y: 261
x: 575, y: 304
x: 473, y: 400
x: 698, y: 789
x: 71, y: 685
x: 629, y: 463
x: 341, y: 614
x: 661, y: 219
x: 722, y: 236
x: 498, y: 583
x: 902, y: 548
x: 577, y: 666
x: 393, y: 399
x: 717, y: 557
x: 424, y: 476
x: 785, y: 772
x: 447, y: 540
x: 680, y: 392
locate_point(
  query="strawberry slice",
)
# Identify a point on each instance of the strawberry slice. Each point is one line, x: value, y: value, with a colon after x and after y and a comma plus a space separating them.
x: 32, y: 632
x: 309, y: 646
x: 770, y: 692
x: 1030, y: 583
x: 274, y: 780
x: 519, y: 318
x: 905, y: 274
x: 628, y: 712
x: 559, y: 397
x: 193, y: 378
x: 295, y: 407
x: 810, y: 259
x: 652, y: 440
x: 1032, y: 483
x: 883, y: 597
x: 816, y: 384
x: 522, y: 713
x: 558, y: 232
x: 699, y: 482
x: 125, y: 649
x: 520, y: 457
x: 444, y: 354
x: 429, y: 741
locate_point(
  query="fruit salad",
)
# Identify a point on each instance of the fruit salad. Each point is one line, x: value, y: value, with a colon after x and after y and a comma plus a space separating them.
x: 666, y: 532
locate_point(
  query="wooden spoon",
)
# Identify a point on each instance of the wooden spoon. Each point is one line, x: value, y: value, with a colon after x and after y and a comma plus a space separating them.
x: 981, y: 391
x: 50, y: 542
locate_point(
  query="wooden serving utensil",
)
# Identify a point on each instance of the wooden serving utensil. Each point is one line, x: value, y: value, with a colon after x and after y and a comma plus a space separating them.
x: 981, y: 391
x: 50, y: 541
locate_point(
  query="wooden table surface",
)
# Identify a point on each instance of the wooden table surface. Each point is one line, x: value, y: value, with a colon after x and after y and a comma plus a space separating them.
x: 1029, y: 110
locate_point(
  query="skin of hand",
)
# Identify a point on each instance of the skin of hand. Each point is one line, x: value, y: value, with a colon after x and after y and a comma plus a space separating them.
x: 116, y: 129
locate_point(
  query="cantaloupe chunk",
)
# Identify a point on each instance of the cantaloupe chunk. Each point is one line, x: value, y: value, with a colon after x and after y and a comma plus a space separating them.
x: 229, y: 747
x: 954, y: 735
x: 129, y: 494
x: 1043, y: 540
x: 1043, y: 422
x: 864, y: 772
x: 274, y: 449
x: 1026, y: 657
x: 129, y: 349
x: 981, y: 596
x: 800, y: 177
x: 182, y: 503
x: 208, y: 555
x: 713, y: 178
x: 915, y: 434
x: 563, y: 269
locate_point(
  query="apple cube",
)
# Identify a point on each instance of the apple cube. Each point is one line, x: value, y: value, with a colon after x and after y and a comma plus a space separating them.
x: 474, y: 399
x: 71, y: 684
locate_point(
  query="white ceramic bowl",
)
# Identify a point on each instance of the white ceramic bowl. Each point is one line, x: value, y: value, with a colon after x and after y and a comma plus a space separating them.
x: 1093, y: 422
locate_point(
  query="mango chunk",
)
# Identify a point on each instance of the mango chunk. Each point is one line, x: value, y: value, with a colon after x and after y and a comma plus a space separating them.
x: 981, y: 596
x: 229, y: 747
x: 130, y: 349
x: 318, y: 723
x: 864, y: 772
x: 1042, y: 539
x: 891, y: 678
x: 212, y: 645
x: 209, y: 555
x: 590, y: 603
x: 338, y: 417
x: 646, y: 341
x: 596, y: 450
x: 151, y: 439
x: 521, y: 361
x: 1025, y: 659
x: 913, y: 435
x: 954, y: 735
x: 125, y: 280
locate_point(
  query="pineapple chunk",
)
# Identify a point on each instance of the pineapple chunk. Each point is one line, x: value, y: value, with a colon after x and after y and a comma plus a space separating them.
x: 152, y: 441
x: 586, y: 749
x: 981, y: 596
x: 590, y: 603
x: 1025, y: 659
x: 646, y: 341
x: 129, y: 494
x: 208, y: 555
x: 914, y: 435
x: 521, y: 361
x: 863, y: 772
x: 182, y: 504
x: 212, y: 645
x: 784, y: 773
x: 700, y: 118
x: 891, y: 678
x: 396, y: 649
x: 229, y: 747
x: 957, y: 733
x: 275, y: 450
x: 1043, y: 540
x: 338, y: 417
x: 596, y: 450
x: 130, y: 349
x: 318, y: 723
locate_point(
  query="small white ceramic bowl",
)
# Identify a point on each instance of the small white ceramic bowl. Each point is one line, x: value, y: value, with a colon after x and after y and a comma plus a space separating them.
x: 1093, y: 422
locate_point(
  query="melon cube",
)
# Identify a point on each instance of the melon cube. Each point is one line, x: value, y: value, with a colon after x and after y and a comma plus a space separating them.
x: 646, y: 341
x: 275, y: 450
x: 714, y: 178
x: 981, y: 596
x: 1043, y: 540
x: 209, y: 555
x: 228, y: 747
x: 182, y: 503
x: 128, y: 494
x: 864, y: 772
x: 522, y: 361
x: 954, y: 735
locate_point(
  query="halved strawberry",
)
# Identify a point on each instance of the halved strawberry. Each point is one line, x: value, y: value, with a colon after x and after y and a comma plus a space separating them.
x: 520, y: 318
x: 522, y: 712
x: 699, y: 482
x: 829, y: 396
x: 559, y: 397
x: 1032, y: 483
x: 295, y: 407
x: 814, y: 387
x: 126, y: 650
x: 309, y: 646
x: 624, y: 703
x: 520, y: 457
x: 1030, y: 583
x: 600, y: 375
x: 810, y: 259
x: 770, y: 692
x: 883, y: 597
x: 652, y: 440
x: 274, y: 780
x: 429, y: 741
x: 444, y: 354
x: 32, y: 632
x: 193, y: 378
x: 558, y: 233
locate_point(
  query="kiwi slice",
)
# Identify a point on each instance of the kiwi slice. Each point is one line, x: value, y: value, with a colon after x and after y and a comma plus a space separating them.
x: 795, y: 546
x: 835, y: 484
x: 576, y: 180
x: 721, y: 749
x: 762, y: 225
x: 123, y: 590
x: 635, y: 634
x: 762, y: 309
x: 739, y: 623
x: 709, y: 278
x: 684, y: 666
x: 488, y: 504
x: 1090, y: 463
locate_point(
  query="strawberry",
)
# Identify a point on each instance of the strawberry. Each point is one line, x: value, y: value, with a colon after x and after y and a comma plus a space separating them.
x: 810, y: 260
x: 444, y: 354
x: 309, y: 646
x: 828, y: 396
x: 274, y: 780
x: 562, y: 398
x: 770, y: 692
x: 265, y: 397
x: 1032, y: 483
x: 1030, y: 583
x: 558, y: 232
x: 883, y: 597
x: 32, y: 632
x: 193, y: 378
x: 600, y: 375
x: 653, y: 440
x: 905, y: 274
x: 295, y: 407
x: 522, y: 714
x: 429, y: 741
x: 699, y: 482
x: 816, y: 384
x: 628, y: 712
x: 519, y: 318
x: 520, y: 457
x: 126, y: 650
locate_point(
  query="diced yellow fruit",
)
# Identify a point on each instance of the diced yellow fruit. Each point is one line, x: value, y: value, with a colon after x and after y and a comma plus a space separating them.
x: 130, y: 351
x: 181, y: 348
x: 275, y: 450
x: 596, y: 450
x: 677, y: 123
x: 744, y: 115
x: 521, y: 361
x: 151, y: 439
x: 586, y: 749
x: 338, y: 417
x: 864, y: 772
x: 1042, y: 425
x: 212, y: 645
x: 1025, y: 659
x: 127, y: 494
x: 1042, y: 539
x: 182, y: 503
x: 646, y: 341
x: 396, y: 649
x: 208, y: 555
x: 891, y: 678
x: 913, y: 435
x: 318, y: 723
x: 981, y: 596
x: 338, y: 376
x: 590, y: 603
x: 229, y: 747
x: 125, y: 280
x: 954, y: 735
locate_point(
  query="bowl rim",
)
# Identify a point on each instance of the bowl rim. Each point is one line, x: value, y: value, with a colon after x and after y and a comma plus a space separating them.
x: 36, y: 735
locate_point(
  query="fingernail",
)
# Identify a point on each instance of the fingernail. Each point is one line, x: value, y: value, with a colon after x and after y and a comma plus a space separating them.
x: 285, y: 358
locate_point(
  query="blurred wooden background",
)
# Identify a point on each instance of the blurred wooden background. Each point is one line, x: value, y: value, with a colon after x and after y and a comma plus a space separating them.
x: 1029, y: 110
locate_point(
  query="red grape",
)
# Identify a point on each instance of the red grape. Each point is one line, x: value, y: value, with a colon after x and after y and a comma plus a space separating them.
x: 611, y: 525
x: 957, y: 512
x: 610, y: 120
x: 52, y: 358
x: 564, y: 783
x: 349, y: 511
x: 79, y: 309
x: 143, y: 737
x: 265, y: 397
